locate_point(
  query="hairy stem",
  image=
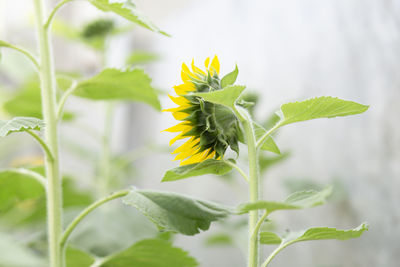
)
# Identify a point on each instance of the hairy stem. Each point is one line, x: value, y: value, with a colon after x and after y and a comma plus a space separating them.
x: 53, y: 13
x: 34, y: 175
x: 49, y: 105
x: 253, y: 247
x: 239, y: 170
x: 86, y: 211
x: 24, y: 52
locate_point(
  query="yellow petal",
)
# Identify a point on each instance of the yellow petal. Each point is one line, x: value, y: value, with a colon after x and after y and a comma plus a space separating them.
x: 186, y: 73
x: 183, y: 89
x: 183, y: 126
x: 176, y: 138
x: 196, y: 69
x: 215, y: 64
x: 207, y: 63
x: 179, y: 100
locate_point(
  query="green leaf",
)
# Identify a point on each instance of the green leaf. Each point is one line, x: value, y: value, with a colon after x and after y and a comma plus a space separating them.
x: 269, y: 144
x: 230, y: 78
x: 28, y: 103
x: 174, y: 212
x: 16, y: 188
x: 78, y: 258
x: 113, y: 84
x: 267, y: 162
x: 324, y: 233
x: 14, y: 254
x: 127, y: 10
x: 151, y: 253
x: 269, y: 238
x: 219, y: 239
x: 297, y: 200
x: 319, y: 107
x: 141, y: 57
x: 20, y: 124
x: 209, y: 166
x: 226, y: 96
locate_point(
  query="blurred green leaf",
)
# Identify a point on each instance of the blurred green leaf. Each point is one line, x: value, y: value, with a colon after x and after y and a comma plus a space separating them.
x: 219, y: 239
x: 127, y: 10
x: 78, y: 258
x: 14, y: 254
x: 141, y: 57
x: 226, y: 96
x: 265, y: 162
x: 297, y: 200
x: 151, y: 253
x: 209, y: 166
x: 20, y: 124
x: 27, y: 102
x: 113, y: 84
x: 230, y: 78
x: 319, y: 107
x: 174, y: 212
x: 269, y: 238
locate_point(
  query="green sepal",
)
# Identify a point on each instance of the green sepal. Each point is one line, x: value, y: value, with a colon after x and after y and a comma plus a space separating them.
x: 230, y: 78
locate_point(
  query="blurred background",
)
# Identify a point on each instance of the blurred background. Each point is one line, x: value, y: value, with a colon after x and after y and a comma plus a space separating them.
x: 285, y: 50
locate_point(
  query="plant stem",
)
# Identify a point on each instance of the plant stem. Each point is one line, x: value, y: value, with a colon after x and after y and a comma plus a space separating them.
x: 42, y: 143
x: 34, y: 175
x: 275, y: 252
x: 24, y: 52
x: 253, y: 248
x: 259, y: 223
x: 236, y: 167
x: 86, y: 211
x: 53, y: 13
x: 265, y: 136
x: 64, y: 98
x: 49, y: 105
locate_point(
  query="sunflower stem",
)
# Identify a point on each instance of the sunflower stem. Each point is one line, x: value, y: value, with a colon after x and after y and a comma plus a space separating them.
x: 49, y: 106
x: 253, y: 246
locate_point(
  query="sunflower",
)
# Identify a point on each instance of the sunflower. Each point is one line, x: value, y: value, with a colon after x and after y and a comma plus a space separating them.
x: 209, y: 128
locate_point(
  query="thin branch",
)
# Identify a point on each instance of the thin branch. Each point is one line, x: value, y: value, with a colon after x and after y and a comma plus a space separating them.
x: 259, y: 223
x: 267, y: 134
x: 42, y: 143
x: 86, y: 211
x: 64, y: 97
x: 34, y: 175
x: 54, y: 11
x: 275, y: 252
x: 31, y: 57
x: 233, y: 165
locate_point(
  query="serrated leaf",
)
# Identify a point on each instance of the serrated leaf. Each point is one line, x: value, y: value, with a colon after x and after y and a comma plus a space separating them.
x: 319, y: 107
x: 209, y: 166
x: 175, y: 212
x: 151, y: 253
x: 230, y: 78
x: 78, y: 258
x: 269, y: 144
x: 324, y: 233
x: 20, y: 124
x: 226, y: 96
x: 297, y: 200
x: 269, y: 238
x: 113, y: 84
x: 127, y: 10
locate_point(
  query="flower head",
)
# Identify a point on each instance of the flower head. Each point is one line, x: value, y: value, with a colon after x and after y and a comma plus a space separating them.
x: 209, y: 128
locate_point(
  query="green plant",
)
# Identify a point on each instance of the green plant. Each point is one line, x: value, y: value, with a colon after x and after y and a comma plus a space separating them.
x: 215, y: 117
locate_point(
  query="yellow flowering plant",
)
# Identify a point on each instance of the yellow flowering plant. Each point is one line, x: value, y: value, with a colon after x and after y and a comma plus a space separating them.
x: 214, y: 117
